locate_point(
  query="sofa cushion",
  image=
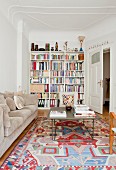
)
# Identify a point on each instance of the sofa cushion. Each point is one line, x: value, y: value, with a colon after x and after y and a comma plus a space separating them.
x: 11, y: 104
x: 18, y: 93
x: 2, y: 99
x: 19, y: 102
x: 6, y: 118
x: 30, y: 99
x: 24, y: 113
x: 15, y: 123
x: 33, y: 108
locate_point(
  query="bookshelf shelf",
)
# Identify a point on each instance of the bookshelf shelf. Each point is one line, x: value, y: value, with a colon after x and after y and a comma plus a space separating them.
x: 52, y: 72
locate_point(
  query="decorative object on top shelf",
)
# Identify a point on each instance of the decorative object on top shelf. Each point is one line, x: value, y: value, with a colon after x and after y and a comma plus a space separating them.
x: 56, y: 46
x: 47, y: 47
x: 36, y: 48
x: 32, y: 47
x: 66, y: 42
x: 52, y: 48
x: 81, y: 39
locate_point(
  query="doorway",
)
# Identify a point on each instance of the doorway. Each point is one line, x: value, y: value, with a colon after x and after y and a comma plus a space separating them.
x: 106, y: 80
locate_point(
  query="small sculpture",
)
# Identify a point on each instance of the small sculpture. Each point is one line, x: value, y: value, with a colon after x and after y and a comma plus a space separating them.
x: 66, y: 42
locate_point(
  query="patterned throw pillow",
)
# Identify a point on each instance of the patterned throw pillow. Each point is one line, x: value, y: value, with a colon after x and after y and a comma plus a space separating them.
x: 68, y: 99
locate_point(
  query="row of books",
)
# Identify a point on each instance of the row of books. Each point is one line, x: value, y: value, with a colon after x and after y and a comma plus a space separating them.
x: 40, y: 80
x: 57, y: 73
x: 54, y: 95
x: 57, y: 57
x: 74, y: 66
x: 43, y: 103
x: 74, y: 88
x: 74, y: 81
x: 37, y: 73
x: 54, y: 56
x: 56, y: 80
x: 47, y: 103
x: 40, y: 56
x: 74, y: 73
x: 71, y: 57
x: 54, y: 73
x: 56, y: 88
x: 43, y: 95
x: 57, y: 65
x: 36, y: 65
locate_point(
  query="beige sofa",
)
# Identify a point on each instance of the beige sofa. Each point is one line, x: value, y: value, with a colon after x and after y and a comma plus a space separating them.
x: 12, y: 120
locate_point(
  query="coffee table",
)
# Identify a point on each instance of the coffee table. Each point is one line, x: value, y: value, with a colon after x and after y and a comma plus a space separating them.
x: 70, y: 116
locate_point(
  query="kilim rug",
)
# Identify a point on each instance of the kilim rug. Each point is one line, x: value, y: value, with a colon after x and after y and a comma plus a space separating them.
x: 72, y: 150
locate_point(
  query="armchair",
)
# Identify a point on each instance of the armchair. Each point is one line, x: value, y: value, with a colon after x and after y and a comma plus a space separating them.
x: 112, y: 130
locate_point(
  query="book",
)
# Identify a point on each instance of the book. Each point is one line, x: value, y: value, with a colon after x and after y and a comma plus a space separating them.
x: 84, y: 112
x: 57, y: 114
x: 81, y: 108
x: 84, y: 115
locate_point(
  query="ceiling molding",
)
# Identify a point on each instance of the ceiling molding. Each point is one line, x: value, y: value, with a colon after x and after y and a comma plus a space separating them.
x: 14, y: 7
x: 43, y: 17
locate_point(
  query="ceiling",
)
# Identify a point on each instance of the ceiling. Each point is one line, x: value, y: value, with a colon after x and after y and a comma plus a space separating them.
x: 59, y: 15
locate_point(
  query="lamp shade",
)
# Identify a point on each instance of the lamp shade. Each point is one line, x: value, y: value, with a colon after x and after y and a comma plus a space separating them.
x: 81, y: 38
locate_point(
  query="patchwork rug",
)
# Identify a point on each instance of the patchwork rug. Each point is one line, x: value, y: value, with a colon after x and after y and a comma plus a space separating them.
x: 72, y: 150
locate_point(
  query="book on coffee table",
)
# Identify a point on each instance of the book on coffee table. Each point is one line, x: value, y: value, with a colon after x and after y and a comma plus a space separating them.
x: 84, y: 113
x: 81, y: 107
x: 57, y: 114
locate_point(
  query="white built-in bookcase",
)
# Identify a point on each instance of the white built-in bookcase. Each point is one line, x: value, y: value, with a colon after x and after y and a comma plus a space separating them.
x: 52, y: 72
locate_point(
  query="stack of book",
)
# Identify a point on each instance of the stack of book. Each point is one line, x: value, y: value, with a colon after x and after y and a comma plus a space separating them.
x: 57, y: 114
x: 83, y: 111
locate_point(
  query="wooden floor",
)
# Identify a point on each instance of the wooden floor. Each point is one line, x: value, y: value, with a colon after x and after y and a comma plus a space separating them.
x: 105, y: 116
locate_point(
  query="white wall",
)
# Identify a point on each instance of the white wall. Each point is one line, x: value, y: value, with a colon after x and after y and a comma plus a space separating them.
x: 8, y: 52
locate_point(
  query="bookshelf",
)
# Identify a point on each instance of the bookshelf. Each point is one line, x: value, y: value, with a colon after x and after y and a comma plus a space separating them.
x: 52, y: 72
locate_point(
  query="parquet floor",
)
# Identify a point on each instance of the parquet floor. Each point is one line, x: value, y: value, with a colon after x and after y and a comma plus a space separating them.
x: 105, y: 116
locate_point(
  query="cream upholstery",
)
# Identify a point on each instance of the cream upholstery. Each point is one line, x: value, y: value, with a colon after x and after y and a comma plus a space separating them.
x: 12, y: 123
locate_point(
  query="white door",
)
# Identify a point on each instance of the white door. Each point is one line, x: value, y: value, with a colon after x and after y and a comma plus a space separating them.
x: 96, y: 80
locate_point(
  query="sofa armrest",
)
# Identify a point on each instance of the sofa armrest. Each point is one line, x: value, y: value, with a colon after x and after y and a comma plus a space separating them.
x: 6, y: 118
x: 30, y: 99
x: 1, y: 125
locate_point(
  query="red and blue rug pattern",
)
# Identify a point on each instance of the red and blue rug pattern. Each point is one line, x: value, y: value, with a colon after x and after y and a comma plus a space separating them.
x: 72, y: 150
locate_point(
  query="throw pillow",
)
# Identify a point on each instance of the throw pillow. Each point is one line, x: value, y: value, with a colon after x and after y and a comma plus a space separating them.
x: 11, y: 104
x: 68, y: 100
x: 8, y: 94
x: 19, y: 102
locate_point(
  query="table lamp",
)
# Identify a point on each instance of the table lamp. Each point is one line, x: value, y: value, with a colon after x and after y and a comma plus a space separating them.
x: 81, y: 39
